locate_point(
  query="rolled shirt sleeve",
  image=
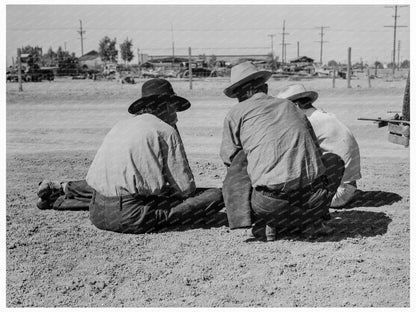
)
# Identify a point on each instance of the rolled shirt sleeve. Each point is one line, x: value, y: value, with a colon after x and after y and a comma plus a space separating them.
x: 176, y: 167
x: 230, y: 144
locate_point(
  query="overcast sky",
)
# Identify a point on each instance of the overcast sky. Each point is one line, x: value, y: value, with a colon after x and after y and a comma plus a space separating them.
x: 231, y: 29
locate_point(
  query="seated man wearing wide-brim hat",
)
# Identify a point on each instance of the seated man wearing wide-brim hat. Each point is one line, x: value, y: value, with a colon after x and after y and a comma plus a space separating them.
x: 334, y: 138
x: 276, y: 176
x: 140, y: 180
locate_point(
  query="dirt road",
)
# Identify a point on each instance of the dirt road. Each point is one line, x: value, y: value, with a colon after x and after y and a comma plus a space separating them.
x: 58, y: 258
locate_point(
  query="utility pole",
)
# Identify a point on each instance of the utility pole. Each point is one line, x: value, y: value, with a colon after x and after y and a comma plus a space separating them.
x: 273, y: 61
x: 349, y: 69
x: 173, y: 46
x: 190, y: 67
x: 81, y: 32
x: 298, y: 48
x: 395, y: 26
x: 398, y: 56
x: 283, y: 42
x: 286, y: 43
x: 322, y: 41
x: 65, y: 46
x: 19, y: 69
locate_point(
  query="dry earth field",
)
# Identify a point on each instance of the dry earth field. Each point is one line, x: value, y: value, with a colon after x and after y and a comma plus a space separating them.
x: 59, y: 259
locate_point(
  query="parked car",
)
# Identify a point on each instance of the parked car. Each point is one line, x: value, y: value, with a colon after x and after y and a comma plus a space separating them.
x: 33, y: 73
x: 11, y: 76
x: 169, y: 74
x: 47, y: 74
x: 150, y: 74
x: 199, y: 72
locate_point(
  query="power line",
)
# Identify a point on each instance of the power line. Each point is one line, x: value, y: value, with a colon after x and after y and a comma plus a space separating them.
x: 187, y: 29
x: 322, y: 40
x: 395, y: 26
x: 210, y: 48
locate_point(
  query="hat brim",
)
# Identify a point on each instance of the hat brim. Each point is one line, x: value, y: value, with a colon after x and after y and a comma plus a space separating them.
x: 181, y: 104
x: 263, y: 74
x: 311, y: 95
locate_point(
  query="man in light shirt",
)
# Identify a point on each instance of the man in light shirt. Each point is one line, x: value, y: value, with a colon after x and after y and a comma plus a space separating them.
x: 276, y: 177
x: 140, y: 180
x: 333, y: 137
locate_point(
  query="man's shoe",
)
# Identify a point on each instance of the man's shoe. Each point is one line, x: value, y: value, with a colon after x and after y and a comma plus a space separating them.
x: 49, y: 189
x: 270, y: 233
x: 43, y: 204
x: 48, y: 192
x: 258, y: 231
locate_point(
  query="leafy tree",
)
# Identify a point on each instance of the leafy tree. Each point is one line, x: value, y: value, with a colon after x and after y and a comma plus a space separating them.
x: 377, y: 65
x: 270, y: 61
x: 107, y: 50
x: 332, y: 63
x: 212, y: 60
x: 60, y: 54
x: 68, y: 65
x: 405, y: 64
x: 126, y: 52
x: 35, y: 54
x: 51, y: 54
x: 49, y: 57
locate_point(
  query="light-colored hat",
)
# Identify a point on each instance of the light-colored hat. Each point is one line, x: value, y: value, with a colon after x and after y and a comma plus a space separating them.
x: 243, y: 73
x: 297, y: 91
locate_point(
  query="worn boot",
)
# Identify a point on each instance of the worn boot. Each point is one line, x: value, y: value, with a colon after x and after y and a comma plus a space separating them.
x: 48, y: 192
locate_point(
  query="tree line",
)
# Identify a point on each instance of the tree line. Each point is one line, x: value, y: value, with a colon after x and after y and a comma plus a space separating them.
x: 107, y: 49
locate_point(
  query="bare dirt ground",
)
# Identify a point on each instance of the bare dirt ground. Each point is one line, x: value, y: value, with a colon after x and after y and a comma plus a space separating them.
x: 59, y: 259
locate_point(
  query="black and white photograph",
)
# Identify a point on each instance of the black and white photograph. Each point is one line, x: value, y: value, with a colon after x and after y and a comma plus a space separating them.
x: 197, y: 155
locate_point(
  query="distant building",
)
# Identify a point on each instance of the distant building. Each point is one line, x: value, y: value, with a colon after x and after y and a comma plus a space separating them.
x: 302, y: 59
x: 90, y: 60
x: 24, y: 57
x: 260, y: 59
x: 168, y: 62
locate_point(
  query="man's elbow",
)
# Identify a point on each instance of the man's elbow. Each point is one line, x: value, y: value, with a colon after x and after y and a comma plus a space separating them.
x: 189, y: 191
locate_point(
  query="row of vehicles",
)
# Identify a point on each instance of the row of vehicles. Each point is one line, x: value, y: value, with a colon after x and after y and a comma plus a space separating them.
x: 30, y: 73
x: 200, y: 72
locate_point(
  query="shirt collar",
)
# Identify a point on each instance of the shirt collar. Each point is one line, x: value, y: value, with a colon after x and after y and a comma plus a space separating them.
x: 258, y: 95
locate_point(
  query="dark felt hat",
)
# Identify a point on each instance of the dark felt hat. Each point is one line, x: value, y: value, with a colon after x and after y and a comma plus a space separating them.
x: 155, y: 91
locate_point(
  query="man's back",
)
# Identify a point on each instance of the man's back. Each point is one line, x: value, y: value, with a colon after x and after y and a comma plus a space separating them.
x: 139, y: 156
x: 334, y: 137
x: 277, y: 139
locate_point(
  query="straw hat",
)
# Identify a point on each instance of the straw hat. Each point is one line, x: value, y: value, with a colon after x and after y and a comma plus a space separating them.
x: 297, y: 91
x: 243, y: 73
x: 156, y: 90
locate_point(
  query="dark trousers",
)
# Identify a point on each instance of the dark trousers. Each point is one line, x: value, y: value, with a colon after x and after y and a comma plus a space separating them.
x: 140, y: 214
x: 292, y: 210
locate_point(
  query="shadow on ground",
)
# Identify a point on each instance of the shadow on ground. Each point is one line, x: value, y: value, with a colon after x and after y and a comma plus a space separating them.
x: 346, y: 224
x: 372, y: 199
x: 216, y: 221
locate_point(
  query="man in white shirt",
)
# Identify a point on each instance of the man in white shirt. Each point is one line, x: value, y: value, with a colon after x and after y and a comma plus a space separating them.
x: 333, y: 137
x: 140, y: 180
